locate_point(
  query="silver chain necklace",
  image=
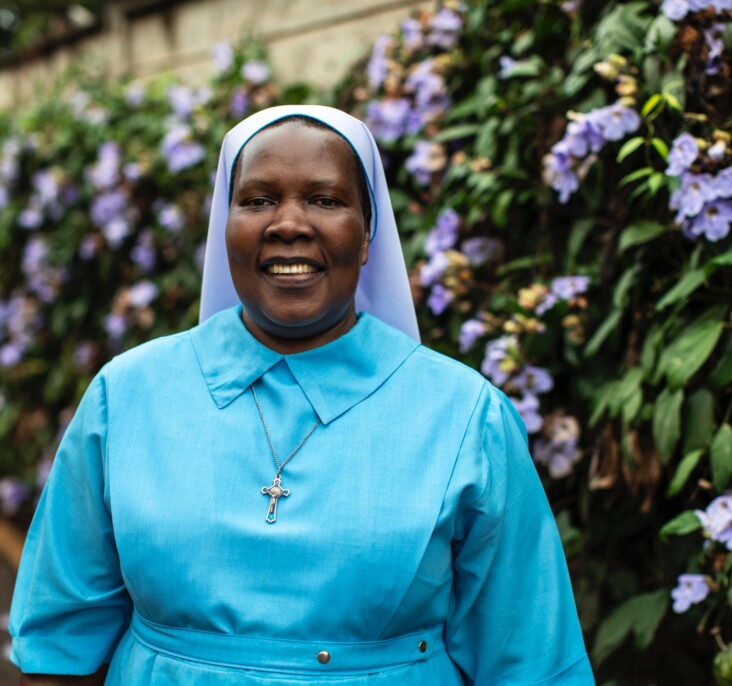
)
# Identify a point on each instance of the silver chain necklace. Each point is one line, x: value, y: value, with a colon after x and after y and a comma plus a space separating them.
x: 275, y: 491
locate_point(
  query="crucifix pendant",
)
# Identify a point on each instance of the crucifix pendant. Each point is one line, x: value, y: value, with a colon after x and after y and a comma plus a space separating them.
x: 275, y: 491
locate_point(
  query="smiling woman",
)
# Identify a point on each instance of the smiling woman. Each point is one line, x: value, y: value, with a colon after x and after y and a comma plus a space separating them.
x: 404, y: 540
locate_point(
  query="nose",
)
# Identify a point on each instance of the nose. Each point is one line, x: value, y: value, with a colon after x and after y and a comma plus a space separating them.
x: 290, y: 222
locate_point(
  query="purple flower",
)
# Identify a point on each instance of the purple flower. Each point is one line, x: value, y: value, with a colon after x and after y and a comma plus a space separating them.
x: 115, y: 326
x: 558, y: 174
x: 108, y: 206
x: 4, y: 197
x: 528, y: 408
x: 412, y: 34
x: 84, y: 354
x: 616, y: 121
x: 387, y: 118
x: 723, y: 183
x: 470, y: 331
x: 429, y: 91
x: 182, y: 100
x: 104, y: 174
x: 10, y: 354
x: 692, y: 589
x: 717, y: 151
x: 377, y: 67
x: 559, y: 457
x: 143, y: 254
x: 712, y: 222
x: 683, y: 153
x: 444, y: 235
x: 32, y: 216
x: 696, y: 190
x: 135, y: 95
x: 239, y: 103
x: 533, y: 380
x: 185, y: 155
x: 115, y: 231
x: 507, y: 64
x: 445, y: 28
x: 171, y: 217
x: 132, y: 172
x: 567, y: 287
x: 497, y: 364
x: 34, y: 256
x: 583, y: 136
x: 715, y: 44
x: 439, y: 299
x: 675, y: 10
x: 142, y: 294
x: 431, y: 272
x: 426, y: 159
x: 478, y: 250
x: 13, y: 493
x: 717, y: 520
x: 223, y: 57
x: 89, y: 247
x: 255, y: 71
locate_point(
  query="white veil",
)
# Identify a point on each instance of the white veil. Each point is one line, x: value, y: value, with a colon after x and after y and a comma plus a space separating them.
x: 383, y: 288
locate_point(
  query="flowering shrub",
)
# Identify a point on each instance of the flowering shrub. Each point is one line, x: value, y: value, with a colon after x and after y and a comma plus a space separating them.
x: 566, y: 208
x: 561, y: 175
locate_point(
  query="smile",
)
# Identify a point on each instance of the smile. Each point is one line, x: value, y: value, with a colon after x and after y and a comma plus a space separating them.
x: 291, y: 269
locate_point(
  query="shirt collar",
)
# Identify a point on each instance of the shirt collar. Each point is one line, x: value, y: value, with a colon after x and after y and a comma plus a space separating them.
x: 334, y: 377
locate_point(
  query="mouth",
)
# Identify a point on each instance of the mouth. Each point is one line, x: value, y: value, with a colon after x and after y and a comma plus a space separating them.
x: 291, y: 269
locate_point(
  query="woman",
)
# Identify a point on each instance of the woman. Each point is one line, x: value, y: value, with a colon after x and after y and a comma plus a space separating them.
x: 296, y: 492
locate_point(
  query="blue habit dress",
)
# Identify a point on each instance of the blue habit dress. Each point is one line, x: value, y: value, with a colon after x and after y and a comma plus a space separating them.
x: 416, y: 546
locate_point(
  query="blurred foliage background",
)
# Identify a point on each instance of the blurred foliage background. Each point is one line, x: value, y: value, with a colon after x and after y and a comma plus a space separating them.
x: 562, y: 178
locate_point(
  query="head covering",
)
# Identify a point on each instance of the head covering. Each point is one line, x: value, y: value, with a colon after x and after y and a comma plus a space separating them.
x: 383, y: 288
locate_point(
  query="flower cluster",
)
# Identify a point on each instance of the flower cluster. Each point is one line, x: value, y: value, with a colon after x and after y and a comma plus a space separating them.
x: 717, y: 520
x: 692, y: 589
x: 20, y: 319
x: 676, y: 10
x: 505, y: 366
x: 571, y: 158
x: 131, y: 306
x: 9, y: 167
x: 703, y: 202
x: 410, y: 100
x: 562, y: 289
x: 448, y: 272
x: 557, y: 448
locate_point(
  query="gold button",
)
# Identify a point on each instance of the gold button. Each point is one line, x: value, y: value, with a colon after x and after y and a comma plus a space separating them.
x: 324, y: 657
x: 422, y: 646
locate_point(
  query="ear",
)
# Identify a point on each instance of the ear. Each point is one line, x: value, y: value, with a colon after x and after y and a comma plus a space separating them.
x: 365, y: 246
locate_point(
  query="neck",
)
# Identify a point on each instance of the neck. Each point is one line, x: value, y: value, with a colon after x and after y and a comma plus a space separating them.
x: 291, y: 344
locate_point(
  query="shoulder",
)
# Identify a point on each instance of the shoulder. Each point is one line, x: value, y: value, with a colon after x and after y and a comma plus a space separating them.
x: 156, y: 354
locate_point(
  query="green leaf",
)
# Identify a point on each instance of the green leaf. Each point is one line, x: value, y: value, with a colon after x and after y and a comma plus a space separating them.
x: 683, y: 472
x: 651, y: 104
x: 637, y: 174
x: 628, y: 395
x: 680, y: 525
x: 639, y: 233
x: 723, y: 260
x: 721, y: 376
x: 689, y: 351
x: 601, y: 401
x: 661, y: 147
x: 580, y: 229
x: 667, y: 422
x: 683, y: 288
x: 455, y: 132
x: 640, y: 615
x: 625, y: 283
x: 721, y: 454
x: 629, y: 147
x: 603, y: 331
x: 698, y: 420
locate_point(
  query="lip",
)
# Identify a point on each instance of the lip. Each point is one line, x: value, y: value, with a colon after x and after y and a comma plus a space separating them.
x: 303, y: 280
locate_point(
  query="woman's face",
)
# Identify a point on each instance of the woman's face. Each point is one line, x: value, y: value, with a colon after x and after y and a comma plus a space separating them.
x: 296, y: 236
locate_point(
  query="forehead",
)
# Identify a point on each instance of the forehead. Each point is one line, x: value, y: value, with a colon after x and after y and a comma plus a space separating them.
x: 296, y: 149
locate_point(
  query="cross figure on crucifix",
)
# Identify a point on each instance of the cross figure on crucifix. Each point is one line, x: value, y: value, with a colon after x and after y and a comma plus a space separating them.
x: 275, y: 491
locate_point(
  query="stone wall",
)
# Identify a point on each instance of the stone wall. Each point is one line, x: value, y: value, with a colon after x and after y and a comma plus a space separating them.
x: 308, y: 40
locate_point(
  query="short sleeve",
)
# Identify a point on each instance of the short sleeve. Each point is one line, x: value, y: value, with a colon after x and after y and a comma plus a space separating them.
x: 70, y: 606
x: 513, y: 618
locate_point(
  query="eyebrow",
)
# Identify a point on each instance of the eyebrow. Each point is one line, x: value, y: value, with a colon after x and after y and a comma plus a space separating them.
x: 314, y: 184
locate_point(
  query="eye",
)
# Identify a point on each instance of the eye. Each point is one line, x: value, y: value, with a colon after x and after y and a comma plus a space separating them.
x: 327, y: 201
x: 256, y: 202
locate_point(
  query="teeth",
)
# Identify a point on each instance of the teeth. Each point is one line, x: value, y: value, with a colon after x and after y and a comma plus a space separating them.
x: 291, y: 269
